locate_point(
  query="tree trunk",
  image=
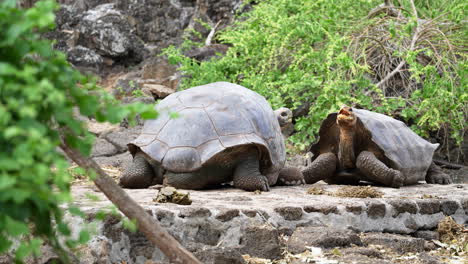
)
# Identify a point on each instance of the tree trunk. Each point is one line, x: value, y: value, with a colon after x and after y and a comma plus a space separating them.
x: 146, y: 224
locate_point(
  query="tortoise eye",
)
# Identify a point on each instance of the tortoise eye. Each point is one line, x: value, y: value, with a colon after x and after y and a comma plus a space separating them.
x: 350, y: 109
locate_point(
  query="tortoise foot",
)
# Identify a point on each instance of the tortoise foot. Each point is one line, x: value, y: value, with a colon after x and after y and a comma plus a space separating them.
x: 290, y: 176
x: 437, y: 176
x: 247, y: 176
x: 398, y: 179
x: 253, y: 183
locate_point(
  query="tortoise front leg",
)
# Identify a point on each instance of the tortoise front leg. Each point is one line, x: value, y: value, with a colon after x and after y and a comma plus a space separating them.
x: 247, y: 175
x: 436, y: 175
x: 377, y: 171
x: 323, y: 167
x: 139, y: 174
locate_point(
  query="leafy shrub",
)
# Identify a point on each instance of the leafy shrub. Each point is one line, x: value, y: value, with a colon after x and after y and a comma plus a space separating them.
x: 303, y: 55
x: 39, y: 92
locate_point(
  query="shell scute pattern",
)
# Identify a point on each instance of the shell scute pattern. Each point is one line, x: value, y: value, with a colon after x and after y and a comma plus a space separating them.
x: 192, y: 128
x: 223, y: 116
x: 210, y: 119
x: 410, y: 153
x: 157, y: 149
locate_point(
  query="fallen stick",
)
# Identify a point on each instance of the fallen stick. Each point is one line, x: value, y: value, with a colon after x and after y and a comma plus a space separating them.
x: 146, y: 224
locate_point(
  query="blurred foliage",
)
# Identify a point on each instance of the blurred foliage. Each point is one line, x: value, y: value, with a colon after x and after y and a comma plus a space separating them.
x: 41, y: 95
x: 303, y: 55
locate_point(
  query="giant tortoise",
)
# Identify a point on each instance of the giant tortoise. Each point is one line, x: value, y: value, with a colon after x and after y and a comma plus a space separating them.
x: 209, y: 135
x: 357, y: 144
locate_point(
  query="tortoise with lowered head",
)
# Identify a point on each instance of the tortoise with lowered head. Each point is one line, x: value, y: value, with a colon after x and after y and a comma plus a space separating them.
x: 223, y: 132
x: 356, y: 144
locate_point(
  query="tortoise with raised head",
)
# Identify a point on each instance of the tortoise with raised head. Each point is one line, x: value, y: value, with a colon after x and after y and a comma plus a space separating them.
x: 224, y: 132
x: 357, y: 144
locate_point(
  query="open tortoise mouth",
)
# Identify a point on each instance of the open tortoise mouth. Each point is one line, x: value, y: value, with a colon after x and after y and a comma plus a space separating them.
x: 346, y: 114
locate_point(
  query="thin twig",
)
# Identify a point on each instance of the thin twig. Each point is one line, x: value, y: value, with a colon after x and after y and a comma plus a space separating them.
x: 411, y: 48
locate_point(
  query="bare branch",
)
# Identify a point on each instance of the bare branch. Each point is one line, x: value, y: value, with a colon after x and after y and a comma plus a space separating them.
x: 146, y: 224
x: 211, y: 34
x: 411, y: 47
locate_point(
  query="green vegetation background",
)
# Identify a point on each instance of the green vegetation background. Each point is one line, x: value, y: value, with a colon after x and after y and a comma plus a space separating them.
x: 314, y: 54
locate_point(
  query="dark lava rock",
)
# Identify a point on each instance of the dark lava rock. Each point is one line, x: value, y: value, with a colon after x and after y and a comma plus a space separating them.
x: 449, y: 207
x: 195, y: 212
x: 290, y: 213
x: 324, y: 209
x: 227, y: 215
x: 207, y: 235
x: 121, y: 137
x: 67, y: 17
x: 103, y: 148
x: 400, y: 244
x: 261, y: 241
x: 106, y: 30
x: 376, y: 210
x: 404, y: 206
x: 249, y: 213
x: 464, y: 203
x: 219, y: 255
x: 426, y: 234
x: 140, y: 245
x: 84, y: 58
x: 165, y: 217
x: 411, y: 223
x: 430, y: 206
x: 325, y: 237
x: 111, y: 229
x: 355, y: 209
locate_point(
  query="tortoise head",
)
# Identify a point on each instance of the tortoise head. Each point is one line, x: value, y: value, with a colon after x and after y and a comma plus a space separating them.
x: 346, y: 118
x: 284, y: 116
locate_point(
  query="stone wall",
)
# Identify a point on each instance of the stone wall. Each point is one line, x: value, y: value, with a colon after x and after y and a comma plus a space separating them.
x: 222, y: 225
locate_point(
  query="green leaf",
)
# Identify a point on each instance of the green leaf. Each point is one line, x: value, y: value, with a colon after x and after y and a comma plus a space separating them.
x: 83, y: 237
x: 6, y: 182
x: 129, y: 224
x: 15, y: 228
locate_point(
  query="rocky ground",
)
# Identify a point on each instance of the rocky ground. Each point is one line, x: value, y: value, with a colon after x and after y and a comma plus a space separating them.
x: 301, y: 224
x: 298, y: 224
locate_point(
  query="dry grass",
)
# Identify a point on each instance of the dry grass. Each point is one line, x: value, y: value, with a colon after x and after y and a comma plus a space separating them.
x: 454, y: 237
x: 449, y: 230
x: 358, y: 192
x: 380, y: 46
x: 317, y: 191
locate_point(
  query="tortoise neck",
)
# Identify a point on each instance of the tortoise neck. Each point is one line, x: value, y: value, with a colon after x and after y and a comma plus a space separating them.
x: 346, y: 148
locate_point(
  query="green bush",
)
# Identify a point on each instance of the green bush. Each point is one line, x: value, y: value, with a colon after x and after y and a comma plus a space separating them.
x: 39, y: 92
x: 299, y: 52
